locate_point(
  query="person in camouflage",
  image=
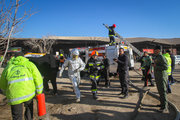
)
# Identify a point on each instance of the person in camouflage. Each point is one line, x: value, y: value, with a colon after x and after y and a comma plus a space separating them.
x: 147, y: 68
x: 161, y: 77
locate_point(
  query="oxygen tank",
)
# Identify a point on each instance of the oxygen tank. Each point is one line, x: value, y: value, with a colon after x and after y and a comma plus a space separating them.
x: 41, y: 104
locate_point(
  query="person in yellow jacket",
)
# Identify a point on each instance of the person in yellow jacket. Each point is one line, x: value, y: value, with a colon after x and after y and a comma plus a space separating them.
x: 168, y: 58
x: 20, y: 82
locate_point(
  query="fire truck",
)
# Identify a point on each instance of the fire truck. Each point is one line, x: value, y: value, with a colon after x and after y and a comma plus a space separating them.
x: 111, y: 52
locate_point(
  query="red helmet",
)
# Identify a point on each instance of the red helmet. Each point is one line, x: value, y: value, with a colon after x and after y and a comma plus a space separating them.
x: 114, y: 25
x: 94, y: 53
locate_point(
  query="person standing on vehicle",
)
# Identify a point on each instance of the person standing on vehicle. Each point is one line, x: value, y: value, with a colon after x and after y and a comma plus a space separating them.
x: 105, y: 71
x: 75, y: 65
x: 147, y: 68
x: 161, y: 77
x: 20, y: 82
x: 112, y: 34
x: 93, y: 68
x: 168, y: 58
x: 123, y: 72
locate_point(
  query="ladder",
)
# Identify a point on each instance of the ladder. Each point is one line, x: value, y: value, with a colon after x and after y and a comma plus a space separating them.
x: 126, y: 42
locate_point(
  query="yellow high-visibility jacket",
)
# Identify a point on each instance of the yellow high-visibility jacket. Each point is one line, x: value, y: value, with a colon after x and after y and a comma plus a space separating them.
x: 20, y: 80
x: 168, y: 58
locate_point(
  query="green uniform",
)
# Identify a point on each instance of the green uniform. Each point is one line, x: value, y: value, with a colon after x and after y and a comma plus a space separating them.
x: 147, y: 69
x: 147, y: 60
x: 161, y: 78
x: 20, y: 80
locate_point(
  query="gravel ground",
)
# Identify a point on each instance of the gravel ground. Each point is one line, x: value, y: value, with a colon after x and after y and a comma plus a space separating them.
x: 108, y: 106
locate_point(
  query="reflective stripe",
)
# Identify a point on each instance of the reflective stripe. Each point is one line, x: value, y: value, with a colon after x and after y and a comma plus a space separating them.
x: 97, y: 76
x: 20, y: 98
x: 142, y: 68
x: 39, y: 90
x: 111, y: 35
x: 94, y: 89
x: 91, y: 64
x: 92, y: 76
x: 19, y: 80
x: 39, y: 86
x: 86, y: 70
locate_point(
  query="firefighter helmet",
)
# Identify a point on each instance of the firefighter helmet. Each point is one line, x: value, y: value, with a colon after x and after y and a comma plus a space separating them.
x: 75, y: 52
x: 114, y: 25
x: 94, y: 53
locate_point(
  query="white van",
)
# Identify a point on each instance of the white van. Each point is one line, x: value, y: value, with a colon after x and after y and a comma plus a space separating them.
x: 177, y: 59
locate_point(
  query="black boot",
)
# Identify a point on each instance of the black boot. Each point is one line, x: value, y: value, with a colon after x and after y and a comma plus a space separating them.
x: 95, y: 96
x: 125, y: 96
x: 107, y: 85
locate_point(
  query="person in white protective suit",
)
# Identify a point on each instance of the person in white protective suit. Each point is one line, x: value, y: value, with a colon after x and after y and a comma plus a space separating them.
x: 75, y: 65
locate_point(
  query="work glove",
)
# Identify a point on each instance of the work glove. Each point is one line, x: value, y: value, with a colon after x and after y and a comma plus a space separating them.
x: 98, y: 68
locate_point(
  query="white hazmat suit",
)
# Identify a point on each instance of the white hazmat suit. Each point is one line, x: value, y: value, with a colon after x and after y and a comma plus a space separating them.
x: 75, y: 65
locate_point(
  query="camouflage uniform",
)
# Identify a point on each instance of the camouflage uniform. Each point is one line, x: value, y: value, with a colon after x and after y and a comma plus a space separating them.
x: 146, y: 66
x: 161, y: 78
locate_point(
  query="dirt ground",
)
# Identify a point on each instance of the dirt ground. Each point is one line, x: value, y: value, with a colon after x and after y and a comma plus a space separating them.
x: 108, y: 106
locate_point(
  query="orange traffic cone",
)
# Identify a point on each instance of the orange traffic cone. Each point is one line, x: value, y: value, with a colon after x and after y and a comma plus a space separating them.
x: 41, y: 104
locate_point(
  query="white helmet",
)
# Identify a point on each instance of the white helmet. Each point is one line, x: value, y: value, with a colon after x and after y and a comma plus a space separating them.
x: 75, y: 52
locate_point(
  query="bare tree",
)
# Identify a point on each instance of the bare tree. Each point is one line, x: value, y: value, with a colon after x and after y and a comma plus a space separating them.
x: 9, y: 22
x: 43, y: 46
x: 48, y: 43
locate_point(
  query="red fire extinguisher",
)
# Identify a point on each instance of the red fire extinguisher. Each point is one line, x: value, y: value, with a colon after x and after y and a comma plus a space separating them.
x: 41, y: 104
